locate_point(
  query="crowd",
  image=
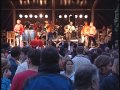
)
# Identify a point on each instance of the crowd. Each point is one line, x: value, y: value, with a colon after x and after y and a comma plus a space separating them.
x: 67, y: 66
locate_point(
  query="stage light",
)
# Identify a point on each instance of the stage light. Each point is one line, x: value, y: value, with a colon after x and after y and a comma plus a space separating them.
x: 46, y: 16
x: 41, y: 16
x: 36, y: 16
x: 26, y: 16
x: 86, y: 16
x: 60, y: 16
x: 70, y: 15
x: 76, y: 16
x: 30, y: 15
x: 20, y: 16
x: 80, y: 16
x: 65, y: 16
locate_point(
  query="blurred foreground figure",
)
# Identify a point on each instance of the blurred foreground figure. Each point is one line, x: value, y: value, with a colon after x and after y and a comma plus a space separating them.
x: 87, y: 77
x: 49, y: 77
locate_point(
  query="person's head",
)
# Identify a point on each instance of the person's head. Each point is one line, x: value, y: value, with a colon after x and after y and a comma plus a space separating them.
x: 115, y: 54
x: 116, y: 45
x: 46, y: 22
x: 103, y: 63
x: 24, y: 51
x: 15, y: 52
x: 107, y: 49
x: 105, y: 53
x: 99, y: 51
x: 94, y: 55
x: 71, y: 23
x: 85, y: 22
x: 91, y: 23
x: 34, y: 57
x: 68, y: 65
x: 61, y: 62
x: 80, y: 50
x: 66, y: 57
x: 50, y: 56
x: 5, y: 65
x: 87, y: 77
x: 115, y: 67
x: 18, y: 21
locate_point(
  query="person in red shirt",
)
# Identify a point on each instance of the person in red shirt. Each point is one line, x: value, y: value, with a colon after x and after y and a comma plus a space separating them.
x: 36, y: 43
x: 19, y: 29
x: 33, y: 63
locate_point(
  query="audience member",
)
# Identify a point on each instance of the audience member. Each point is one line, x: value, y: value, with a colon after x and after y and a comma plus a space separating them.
x: 103, y: 63
x: 87, y: 77
x: 23, y: 66
x: 111, y: 82
x: 80, y: 58
x: 114, y: 54
x: 33, y: 63
x: 5, y: 82
x: 68, y: 69
x: 14, y: 60
x: 49, y: 77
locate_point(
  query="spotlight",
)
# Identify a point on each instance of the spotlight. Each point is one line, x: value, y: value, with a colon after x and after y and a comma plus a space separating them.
x: 76, y: 16
x: 26, y: 16
x: 36, y: 16
x: 70, y: 15
x: 30, y: 15
x: 46, y: 16
x: 80, y: 16
x: 86, y: 16
x: 60, y: 16
x: 40, y: 15
x: 20, y: 16
x: 65, y: 16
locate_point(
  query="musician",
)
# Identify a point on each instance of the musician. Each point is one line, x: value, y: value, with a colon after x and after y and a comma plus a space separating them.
x: 68, y: 30
x: 38, y: 29
x: 92, y: 33
x: 19, y: 29
x: 48, y: 29
x: 84, y: 33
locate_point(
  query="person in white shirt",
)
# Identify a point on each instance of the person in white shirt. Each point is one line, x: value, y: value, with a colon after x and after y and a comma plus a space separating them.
x: 80, y: 58
x: 84, y: 33
x: 68, y: 69
x: 68, y: 30
x: 19, y: 29
x: 23, y: 57
x: 92, y: 33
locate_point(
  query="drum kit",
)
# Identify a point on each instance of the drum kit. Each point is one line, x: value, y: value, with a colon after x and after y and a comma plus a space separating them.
x: 30, y: 33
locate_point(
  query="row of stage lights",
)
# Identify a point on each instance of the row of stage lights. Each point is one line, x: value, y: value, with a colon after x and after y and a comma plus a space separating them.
x: 46, y: 16
x: 31, y: 16
x: 76, y: 16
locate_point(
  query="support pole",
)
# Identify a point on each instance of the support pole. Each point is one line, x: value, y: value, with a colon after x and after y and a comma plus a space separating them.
x: 53, y: 11
x: 92, y: 10
x: 14, y: 13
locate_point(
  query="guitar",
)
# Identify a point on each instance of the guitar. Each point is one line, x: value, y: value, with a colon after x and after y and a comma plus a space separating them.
x: 67, y: 30
x: 18, y: 29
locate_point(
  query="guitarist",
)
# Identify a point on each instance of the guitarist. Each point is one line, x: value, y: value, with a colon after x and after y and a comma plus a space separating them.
x: 48, y: 29
x: 68, y: 30
x: 84, y: 33
x: 19, y: 29
x: 92, y: 33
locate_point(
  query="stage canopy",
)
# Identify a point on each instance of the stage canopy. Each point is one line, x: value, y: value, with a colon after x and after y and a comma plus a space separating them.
x: 76, y: 10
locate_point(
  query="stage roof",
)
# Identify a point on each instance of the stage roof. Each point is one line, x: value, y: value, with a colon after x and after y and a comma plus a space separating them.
x: 104, y: 9
x: 59, y: 4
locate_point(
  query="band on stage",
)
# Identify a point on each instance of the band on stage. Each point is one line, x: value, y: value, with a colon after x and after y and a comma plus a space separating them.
x: 49, y: 31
